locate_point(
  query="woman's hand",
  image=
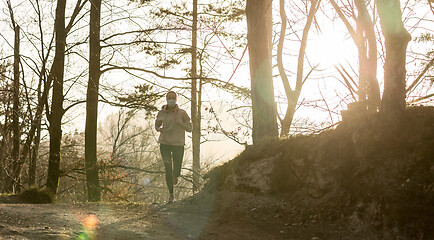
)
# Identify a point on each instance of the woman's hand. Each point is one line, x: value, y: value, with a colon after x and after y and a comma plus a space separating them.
x: 158, y: 126
x: 185, y: 126
x: 181, y: 124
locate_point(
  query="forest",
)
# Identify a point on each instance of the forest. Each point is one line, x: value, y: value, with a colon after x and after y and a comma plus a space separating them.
x: 310, y: 119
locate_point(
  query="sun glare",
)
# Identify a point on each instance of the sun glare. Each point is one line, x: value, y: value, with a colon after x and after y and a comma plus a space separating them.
x: 90, y: 222
x: 329, y: 49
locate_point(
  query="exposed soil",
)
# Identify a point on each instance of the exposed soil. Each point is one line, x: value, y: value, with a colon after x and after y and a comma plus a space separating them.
x: 208, y: 215
x: 58, y: 221
x: 371, y: 178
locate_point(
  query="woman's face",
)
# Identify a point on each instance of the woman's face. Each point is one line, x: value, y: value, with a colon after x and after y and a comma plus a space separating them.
x: 170, y: 96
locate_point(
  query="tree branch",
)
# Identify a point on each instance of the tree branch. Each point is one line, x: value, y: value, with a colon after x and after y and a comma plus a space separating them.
x: 418, y: 79
x: 345, y: 20
x: 282, y: 72
x: 75, y: 13
x: 132, y: 168
x: 140, y: 31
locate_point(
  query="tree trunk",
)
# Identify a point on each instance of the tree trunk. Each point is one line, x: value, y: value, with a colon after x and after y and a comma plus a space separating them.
x: 363, y: 80
x: 371, y: 66
x: 36, y: 124
x: 14, y: 177
x: 287, y: 119
x: 34, y: 154
x: 259, y: 37
x: 365, y: 40
x: 195, y: 117
x: 369, y: 89
x: 57, y: 111
x: 5, y: 154
x: 2, y: 159
x: 15, y: 111
x: 92, y: 179
x: 396, y: 40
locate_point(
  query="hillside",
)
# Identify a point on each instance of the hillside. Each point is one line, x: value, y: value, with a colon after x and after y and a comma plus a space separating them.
x: 370, y: 178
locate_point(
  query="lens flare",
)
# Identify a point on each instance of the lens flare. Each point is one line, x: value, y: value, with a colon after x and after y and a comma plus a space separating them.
x: 90, y: 222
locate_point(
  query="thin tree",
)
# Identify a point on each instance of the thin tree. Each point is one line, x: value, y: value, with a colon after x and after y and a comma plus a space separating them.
x: 92, y: 179
x: 35, y: 149
x: 16, y: 104
x: 292, y: 95
x: 396, y: 39
x: 369, y: 89
x: 259, y: 40
x: 57, y: 111
x: 365, y: 40
x: 4, y: 127
x: 195, y: 116
x: 36, y: 122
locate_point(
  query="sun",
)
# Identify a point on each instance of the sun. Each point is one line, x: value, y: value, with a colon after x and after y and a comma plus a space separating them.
x: 329, y: 49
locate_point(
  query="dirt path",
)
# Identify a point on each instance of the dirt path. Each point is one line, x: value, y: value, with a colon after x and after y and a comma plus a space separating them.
x: 225, y: 216
x: 106, y: 221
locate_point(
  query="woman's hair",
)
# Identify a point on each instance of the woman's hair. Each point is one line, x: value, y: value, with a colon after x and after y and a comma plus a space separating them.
x: 169, y: 92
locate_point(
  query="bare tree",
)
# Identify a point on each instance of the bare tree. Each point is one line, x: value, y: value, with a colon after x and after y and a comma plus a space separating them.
x: 369, y: 89
x: 365, y: 40
x: 292, y: 95
x: 16, y: 160
x: 4, y: 125
x: 92, y: 179
x: 56, y: 77
x: 57, y: 110
x: 195, y: 105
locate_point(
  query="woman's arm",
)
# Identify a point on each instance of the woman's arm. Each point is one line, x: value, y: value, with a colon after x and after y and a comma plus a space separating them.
x: 158, y: 123
x: 186, y: 123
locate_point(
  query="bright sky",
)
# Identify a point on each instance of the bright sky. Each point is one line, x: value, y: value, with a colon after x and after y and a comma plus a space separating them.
x: 331, y: 48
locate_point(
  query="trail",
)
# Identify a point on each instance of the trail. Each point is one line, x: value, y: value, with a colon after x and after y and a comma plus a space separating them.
x: 205, y: 216
x: 81, y: 221
x: 222, y: 216
x: 187, y: 219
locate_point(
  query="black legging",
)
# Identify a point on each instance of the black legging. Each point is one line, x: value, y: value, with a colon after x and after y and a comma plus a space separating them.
x: 167, y: 153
